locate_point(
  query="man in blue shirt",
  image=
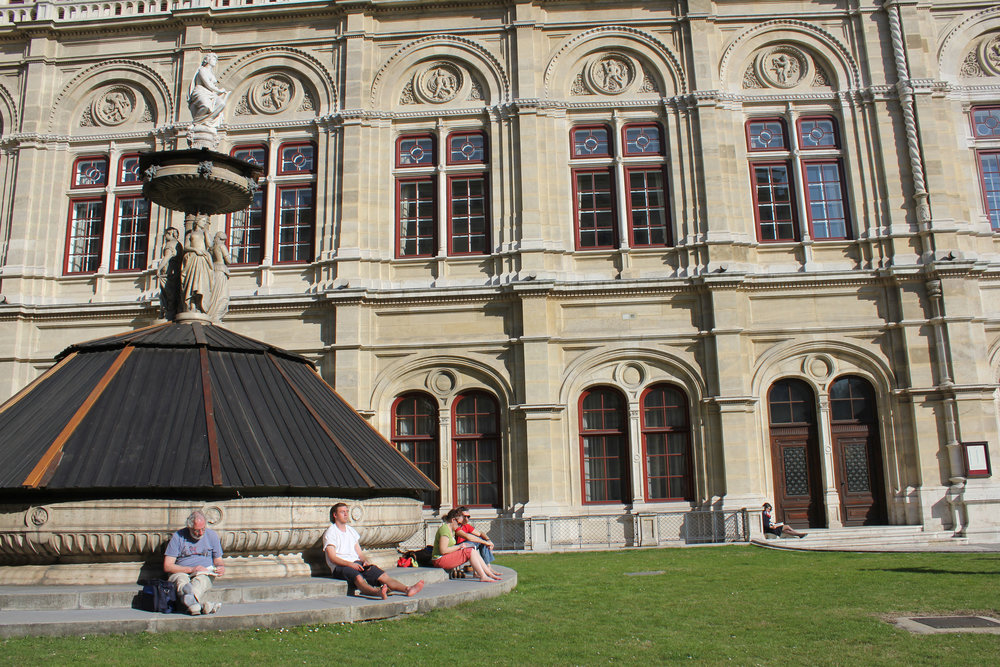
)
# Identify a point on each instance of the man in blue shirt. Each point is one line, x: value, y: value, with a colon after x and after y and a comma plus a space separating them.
x: 192, y: 558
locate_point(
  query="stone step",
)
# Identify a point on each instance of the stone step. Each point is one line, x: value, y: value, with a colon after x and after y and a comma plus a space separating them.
x: 311, y: 608
x: 41, y: 597
x: 867, y: 538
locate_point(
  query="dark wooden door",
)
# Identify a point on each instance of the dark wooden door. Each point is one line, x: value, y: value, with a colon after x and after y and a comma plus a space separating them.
x: 857, y: 452
x: 798, y: 487
x: 795, y: 456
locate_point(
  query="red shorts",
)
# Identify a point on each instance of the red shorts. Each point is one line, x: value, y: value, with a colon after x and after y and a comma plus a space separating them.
x: 454, y: 559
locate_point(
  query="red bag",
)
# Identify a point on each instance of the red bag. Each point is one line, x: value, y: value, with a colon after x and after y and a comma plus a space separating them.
x: 404, y: 561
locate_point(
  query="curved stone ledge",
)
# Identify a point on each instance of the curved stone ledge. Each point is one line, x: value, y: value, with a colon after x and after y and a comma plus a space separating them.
x: 134, y: 532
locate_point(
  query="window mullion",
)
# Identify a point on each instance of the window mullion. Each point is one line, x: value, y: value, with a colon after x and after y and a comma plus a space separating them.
x: 270, y: 222
x: 622, y: 217
x: 798, y: 180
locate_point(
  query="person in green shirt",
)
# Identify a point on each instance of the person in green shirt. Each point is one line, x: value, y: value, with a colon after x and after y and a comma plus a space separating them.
x: 449, y: 554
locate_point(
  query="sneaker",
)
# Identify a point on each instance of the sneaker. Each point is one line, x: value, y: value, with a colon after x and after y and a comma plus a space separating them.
x: 801, y: 535
x: 212, y: 607
x: 187, y: 590
x: 191, y: 602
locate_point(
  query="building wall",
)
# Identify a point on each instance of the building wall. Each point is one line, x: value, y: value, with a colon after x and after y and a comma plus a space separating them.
x: 907, y: 301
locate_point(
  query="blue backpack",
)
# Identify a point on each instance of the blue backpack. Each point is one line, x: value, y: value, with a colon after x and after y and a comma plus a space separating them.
x: 160, y: 596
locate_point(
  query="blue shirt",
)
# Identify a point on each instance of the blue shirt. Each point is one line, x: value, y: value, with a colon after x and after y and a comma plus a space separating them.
x: 192, y: 553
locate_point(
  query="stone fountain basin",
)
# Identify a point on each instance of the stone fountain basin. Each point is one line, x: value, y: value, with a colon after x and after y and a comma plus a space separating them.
x: 122, y: 541
x: 198, y: 181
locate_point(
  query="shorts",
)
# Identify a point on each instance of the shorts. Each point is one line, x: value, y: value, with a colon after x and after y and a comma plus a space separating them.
x: 454, y: 559
x: 371, y: 573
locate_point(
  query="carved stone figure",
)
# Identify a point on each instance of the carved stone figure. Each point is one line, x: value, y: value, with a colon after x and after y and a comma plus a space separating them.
x: 206, y: 98
x: 220, y: 267
x: 197, y: 274
x: 168, y: 273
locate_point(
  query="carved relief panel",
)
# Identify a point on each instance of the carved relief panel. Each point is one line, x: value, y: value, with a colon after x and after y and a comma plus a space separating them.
x: 116, y: 105
x: 983, y: 57
x: 613, y: 73
x: 785, y: 67
x: 274, y: 93
x: 441, y: 82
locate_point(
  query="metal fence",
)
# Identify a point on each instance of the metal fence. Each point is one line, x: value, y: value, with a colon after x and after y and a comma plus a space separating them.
x: 605, y: 531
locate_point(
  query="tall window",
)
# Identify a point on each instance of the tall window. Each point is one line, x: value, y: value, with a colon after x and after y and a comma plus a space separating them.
x: 666, y: 443
x: 246, y: 228
x: 415, y: 435
x: 599, y: 224
x: 90, y: 223
x: 466, y: 222
x: 986, y: 132
x: 296, y: 212
x: 476, y: 442
x: 604, y: 446
x: 772, y: 174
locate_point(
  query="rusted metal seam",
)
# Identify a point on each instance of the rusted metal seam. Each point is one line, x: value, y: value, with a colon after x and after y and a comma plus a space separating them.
x: 206, y: 388
x: 47, y: 465
x: 320, y: 421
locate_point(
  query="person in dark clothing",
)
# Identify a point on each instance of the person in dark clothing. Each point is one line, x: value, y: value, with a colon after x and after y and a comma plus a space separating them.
x: 779, y: 528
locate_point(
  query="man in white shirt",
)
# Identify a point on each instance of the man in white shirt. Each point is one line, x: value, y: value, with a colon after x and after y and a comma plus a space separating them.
x: 341, y: 545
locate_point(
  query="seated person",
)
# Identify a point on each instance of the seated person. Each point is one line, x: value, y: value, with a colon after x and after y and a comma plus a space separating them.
x: 192, y: 557
x: 342, y: 547
x: 467, y: 532
x: 449, y: 554
x: 778, y: 529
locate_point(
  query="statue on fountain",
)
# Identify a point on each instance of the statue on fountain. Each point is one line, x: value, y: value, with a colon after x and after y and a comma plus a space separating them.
x: 206, y: 101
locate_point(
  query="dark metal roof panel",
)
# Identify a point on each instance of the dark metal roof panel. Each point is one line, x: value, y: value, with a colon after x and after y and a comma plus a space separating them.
x: 146, y: 430
x: 29, y: 426
x: 382, y: 462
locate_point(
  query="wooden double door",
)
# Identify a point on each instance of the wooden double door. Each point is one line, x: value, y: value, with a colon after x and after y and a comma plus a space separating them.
x: 797, y: 460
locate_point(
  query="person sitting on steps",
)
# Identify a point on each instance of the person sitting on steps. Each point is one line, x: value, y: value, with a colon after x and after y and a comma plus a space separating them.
x: 448, y: 554
x: 779, y: 528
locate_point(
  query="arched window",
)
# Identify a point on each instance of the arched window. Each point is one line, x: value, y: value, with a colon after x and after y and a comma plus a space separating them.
x: 852, y: 400
x: 415, y: 434
x: 604, y: 446
x: 476, y: 442
x: 666, y: 443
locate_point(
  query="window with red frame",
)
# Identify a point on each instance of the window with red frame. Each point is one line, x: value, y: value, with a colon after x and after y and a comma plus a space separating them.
x: 591, y: 141
x: 415, y: 435
x: 131, y: 238
x: 296, y: 210
x: 466, y: 148
x: 415, y: 151
x: 604, y: 446
x: 821, y: 168
x: 666, y: 443
x: 416, y: 217
x: 476, y: 442
x: 90, y: 172
x: 595, y: 209
x: 647, y: 210
x: 467, y: 214
x: 245, y: 228
x: 128, y: 170
x: 986, y: 125
x: 84, y: 234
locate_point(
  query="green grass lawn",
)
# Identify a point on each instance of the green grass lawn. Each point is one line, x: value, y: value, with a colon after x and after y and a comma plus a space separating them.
x: 736, y: 604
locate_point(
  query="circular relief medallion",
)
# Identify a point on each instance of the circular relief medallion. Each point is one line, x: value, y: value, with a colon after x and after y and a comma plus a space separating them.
x: 114, y: 106
x: 38, y: 516
x: 439, y: 83
x: 611, y: 73
x: 213, y: 514
x: 272, y: 94
x: 782, y: 66
x: 357, y: 513
x: 818, y: 366
x: 989, y: 55
x: 631, y: 375
x: 441, y: 382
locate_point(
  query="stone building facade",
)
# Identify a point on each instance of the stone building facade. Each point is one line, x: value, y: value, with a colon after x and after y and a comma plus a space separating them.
x: 574, y: 259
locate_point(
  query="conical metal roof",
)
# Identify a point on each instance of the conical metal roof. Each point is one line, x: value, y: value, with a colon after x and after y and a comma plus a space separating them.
x: 187, y: 410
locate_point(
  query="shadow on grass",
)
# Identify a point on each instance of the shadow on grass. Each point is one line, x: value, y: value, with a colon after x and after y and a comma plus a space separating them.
x: 930, y: 570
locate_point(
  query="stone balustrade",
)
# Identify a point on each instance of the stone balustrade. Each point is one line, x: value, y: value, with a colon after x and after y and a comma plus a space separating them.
x: 68, y: 11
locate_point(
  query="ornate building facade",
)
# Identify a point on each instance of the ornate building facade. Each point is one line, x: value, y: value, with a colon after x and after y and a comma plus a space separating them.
x: 573, y: 259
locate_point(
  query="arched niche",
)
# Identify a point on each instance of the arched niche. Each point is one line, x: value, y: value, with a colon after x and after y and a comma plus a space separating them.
x: 277, y: 82
x: 969, y: 53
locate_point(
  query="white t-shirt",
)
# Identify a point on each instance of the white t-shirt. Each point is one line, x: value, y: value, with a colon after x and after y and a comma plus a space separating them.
x: 344, y: 542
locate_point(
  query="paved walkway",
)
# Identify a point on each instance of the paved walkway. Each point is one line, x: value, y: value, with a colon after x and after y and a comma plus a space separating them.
x: 87, y: 610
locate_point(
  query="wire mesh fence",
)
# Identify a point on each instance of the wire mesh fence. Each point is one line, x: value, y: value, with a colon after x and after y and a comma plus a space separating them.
x: 605, y: 531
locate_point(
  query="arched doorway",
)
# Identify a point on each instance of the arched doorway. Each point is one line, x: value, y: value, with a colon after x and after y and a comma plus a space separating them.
x: 857, y: 452
x: 795, y: 455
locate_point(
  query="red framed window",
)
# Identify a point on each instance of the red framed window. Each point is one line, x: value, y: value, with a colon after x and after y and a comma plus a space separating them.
x: 825, y: 199
x: 415, y: 151
x: 468, y: 220
x: 84, y: 234
x: 594, y: 205
x: 773, y: 203
x: 415, y: 435
x: 257, y: 155
x: 986, y: 122
x: 604, y: 446
x: 647, y: 211
x: 989, y: 178
x: 416, y: 217
x: 766, y: 134
x: 642, y: 139
x: 128, y: 170
x: 818, y: 133
x: 245, y: 229
x: 590, y: 141
x: 476, y: 443
x: 466, y: 148
x: 131, y: 233
x: 296, y: 158
x: 90, y: 172
x: 666, y: 437
x: 296, y: 216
